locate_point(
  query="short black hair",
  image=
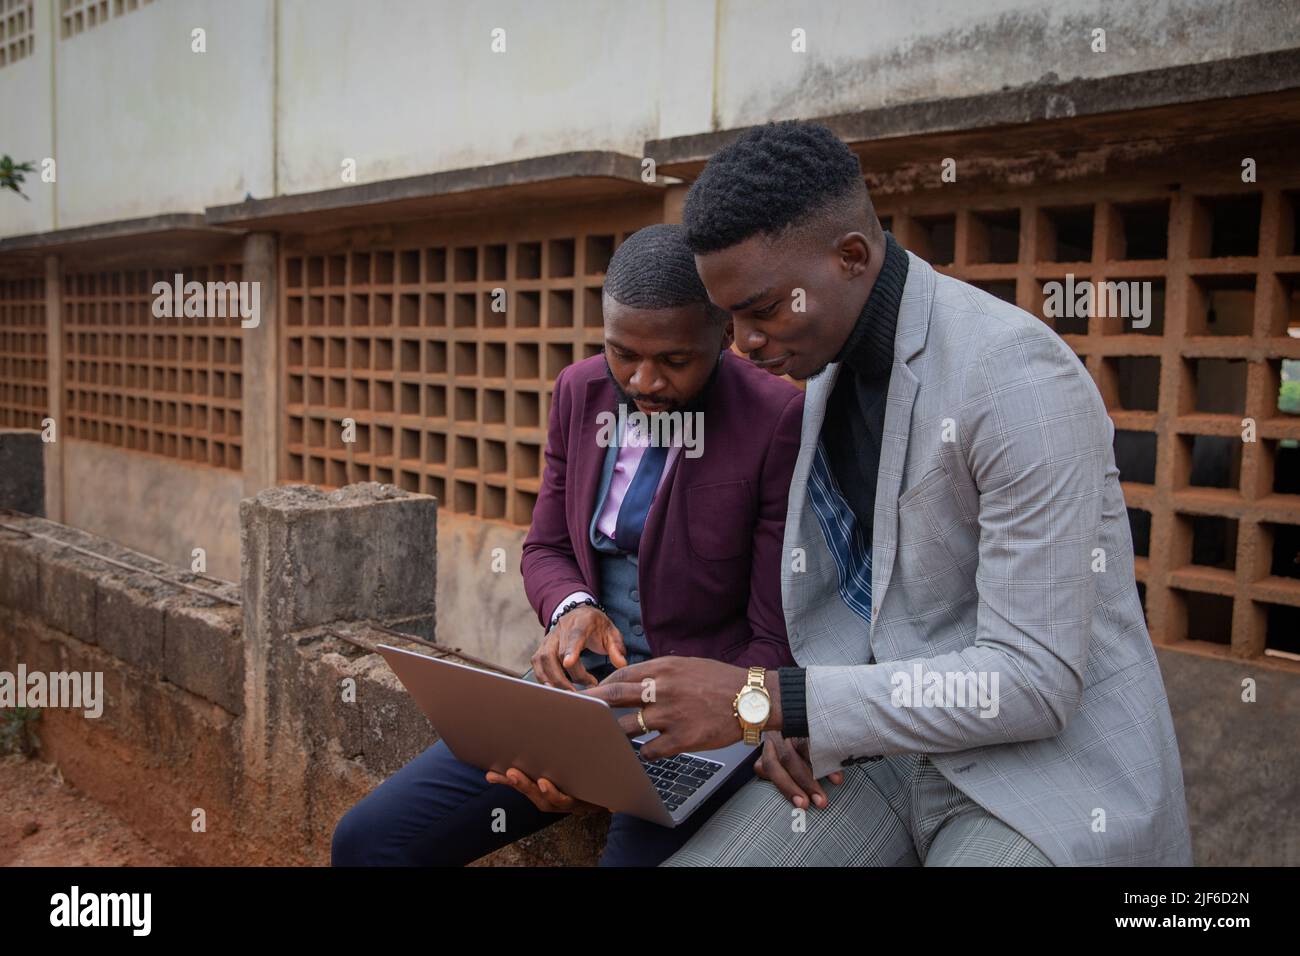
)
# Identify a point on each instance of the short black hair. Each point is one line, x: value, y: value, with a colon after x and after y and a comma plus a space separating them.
x: 654, y: 268
x: 775, y: 177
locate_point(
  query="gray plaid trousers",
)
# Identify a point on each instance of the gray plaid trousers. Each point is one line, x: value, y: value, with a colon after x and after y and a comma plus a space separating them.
x: 899, y: 811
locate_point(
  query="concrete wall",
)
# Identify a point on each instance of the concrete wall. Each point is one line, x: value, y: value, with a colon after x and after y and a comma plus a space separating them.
x: 231, y: 701
x: 166, y: 508
x: 480, y: 610
x: 412, y: 87
x: 863, y: 55
x: 27, y: 129
x: 161, y: 506
x: 147, y: 126
x: 1241, y: 761
x: 22, y: 471
x: 288, y: 89
x: 172, y: 666
x: 137, y: 122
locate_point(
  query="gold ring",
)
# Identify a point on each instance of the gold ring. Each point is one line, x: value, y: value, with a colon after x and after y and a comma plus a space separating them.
x: 641, y: 720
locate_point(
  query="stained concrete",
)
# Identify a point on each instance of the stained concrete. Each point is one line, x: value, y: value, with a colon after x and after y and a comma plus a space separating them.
x: 157, y: 505
x: 165, y: 508
x: 232, y: 706
x: 22, y: 471
x: 483, y: 610
x: 1241, y: 761
x: 364, y: 552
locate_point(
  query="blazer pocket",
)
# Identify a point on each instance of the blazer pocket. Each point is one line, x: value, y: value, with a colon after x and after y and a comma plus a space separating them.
x: 938, y: 543
x: 718, y: 520
x: 930, y: 479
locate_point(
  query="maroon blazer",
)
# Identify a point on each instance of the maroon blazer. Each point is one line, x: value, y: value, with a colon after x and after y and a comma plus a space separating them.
x: 711, y: 552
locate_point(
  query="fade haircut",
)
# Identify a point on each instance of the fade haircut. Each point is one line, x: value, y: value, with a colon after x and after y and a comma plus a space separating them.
x: 654, y: 268
x: 775, y: 178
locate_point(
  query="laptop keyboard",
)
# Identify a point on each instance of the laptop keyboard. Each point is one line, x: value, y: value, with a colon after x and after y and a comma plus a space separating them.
x: 676, y: 779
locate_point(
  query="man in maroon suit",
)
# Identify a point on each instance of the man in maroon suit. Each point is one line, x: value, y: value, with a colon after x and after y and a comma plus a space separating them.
x: 658, y: 531
x: 706, y: 561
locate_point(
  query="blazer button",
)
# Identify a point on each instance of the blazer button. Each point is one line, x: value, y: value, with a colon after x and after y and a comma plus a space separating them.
x: 635, y: 595
x: 638, y: 630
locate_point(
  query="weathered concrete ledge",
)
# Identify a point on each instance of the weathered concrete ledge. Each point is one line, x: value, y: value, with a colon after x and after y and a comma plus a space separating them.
x: 1034, y: 104
x: 262, y: 709
x: 593, y: 174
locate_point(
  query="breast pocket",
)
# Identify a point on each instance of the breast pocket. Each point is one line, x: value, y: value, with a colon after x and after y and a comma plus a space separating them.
x: 931, y: 480
x: 720, y: 520
x: 938, y: 541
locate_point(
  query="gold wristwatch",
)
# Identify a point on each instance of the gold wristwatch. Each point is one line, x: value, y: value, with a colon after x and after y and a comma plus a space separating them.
x: 752, y: 706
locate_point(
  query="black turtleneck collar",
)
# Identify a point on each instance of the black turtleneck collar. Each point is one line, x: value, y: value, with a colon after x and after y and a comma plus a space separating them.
x: 869, y: 349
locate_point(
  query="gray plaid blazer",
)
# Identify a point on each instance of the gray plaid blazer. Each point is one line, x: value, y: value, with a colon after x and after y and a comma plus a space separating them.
x: 997, y: 508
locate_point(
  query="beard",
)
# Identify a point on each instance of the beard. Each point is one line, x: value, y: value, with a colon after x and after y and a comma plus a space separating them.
x: 693, y: 404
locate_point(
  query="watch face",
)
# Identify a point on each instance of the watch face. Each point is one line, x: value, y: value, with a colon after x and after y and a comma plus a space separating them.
x: 753, y: 707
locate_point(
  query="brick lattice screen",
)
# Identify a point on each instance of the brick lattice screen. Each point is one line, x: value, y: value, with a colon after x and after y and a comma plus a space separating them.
x: 167, y: 385
x: 449, y: 396
x: 1215, y: 518
x: 24, y: 366
x: 394, y: 328
x: 17, y: 30
x: 77, y: 16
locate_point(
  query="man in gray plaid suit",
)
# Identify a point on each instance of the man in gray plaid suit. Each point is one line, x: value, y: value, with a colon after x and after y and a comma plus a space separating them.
x: 977, y: 683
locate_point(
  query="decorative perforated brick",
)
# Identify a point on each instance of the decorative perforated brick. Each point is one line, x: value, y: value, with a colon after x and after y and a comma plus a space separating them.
x: 1204, y: 389
x: 443, y: 353
x: 24, y: 369
x: 170, y: 385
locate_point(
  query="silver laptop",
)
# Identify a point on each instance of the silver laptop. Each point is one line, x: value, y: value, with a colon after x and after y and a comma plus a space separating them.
x: 497, y: 722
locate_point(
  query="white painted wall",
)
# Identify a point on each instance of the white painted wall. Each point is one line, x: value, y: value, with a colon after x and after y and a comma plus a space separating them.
x: 406, y: 87
x: 290, y: 88
x: 146, y: 126
x: 139, y: 124
x: 26, y: 132
x: 863, y: 54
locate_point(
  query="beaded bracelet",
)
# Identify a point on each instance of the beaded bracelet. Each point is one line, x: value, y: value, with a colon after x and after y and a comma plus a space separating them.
x: 573, y: 606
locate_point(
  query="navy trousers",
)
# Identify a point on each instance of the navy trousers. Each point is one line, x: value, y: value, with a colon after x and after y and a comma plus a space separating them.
x: 437, y: 811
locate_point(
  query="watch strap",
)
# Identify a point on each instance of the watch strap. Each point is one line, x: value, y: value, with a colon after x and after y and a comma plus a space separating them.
x: 751, y: 734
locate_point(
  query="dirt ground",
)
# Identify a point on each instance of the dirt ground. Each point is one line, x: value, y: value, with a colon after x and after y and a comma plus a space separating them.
x: 45, y: 822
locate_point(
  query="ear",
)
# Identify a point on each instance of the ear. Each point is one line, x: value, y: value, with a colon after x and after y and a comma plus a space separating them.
x: 855, y: 253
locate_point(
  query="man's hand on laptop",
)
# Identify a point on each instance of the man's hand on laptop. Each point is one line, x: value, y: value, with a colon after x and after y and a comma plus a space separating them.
x: 687, y: 699
x: 785, y: 763
x: 559, y: 657
x: 543, y: 794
